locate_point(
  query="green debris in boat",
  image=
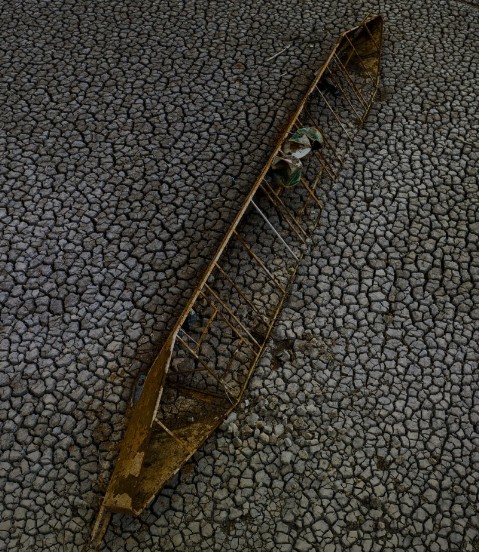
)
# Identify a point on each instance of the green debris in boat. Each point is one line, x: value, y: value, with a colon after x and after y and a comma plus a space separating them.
x: 286, y: 170
x: 286, y: 166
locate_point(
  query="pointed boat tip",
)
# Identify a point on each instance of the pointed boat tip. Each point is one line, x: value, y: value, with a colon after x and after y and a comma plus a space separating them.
x: 99, y: 529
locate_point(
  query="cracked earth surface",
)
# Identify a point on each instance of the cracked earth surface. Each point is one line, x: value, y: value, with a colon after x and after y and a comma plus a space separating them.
x: 129, y: 135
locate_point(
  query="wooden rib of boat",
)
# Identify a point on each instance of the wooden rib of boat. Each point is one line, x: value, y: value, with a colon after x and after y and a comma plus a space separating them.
x: 203, y: 368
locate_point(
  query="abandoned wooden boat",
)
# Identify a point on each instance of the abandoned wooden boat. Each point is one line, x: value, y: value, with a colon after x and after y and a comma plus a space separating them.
x: 202, y: 371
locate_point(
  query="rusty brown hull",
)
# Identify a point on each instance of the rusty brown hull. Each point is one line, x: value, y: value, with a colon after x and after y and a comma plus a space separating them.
x: 202, y: 371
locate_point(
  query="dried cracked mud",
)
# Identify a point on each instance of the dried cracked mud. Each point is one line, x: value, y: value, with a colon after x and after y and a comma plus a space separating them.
x: 130, y: 132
